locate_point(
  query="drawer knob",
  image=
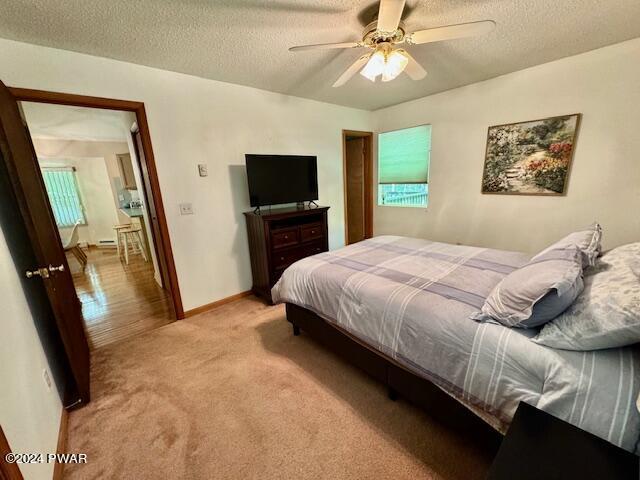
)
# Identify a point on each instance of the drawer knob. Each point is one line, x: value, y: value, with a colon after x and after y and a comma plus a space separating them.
x: 313, y: 231
x: 286, y: 236
x: 281, y: 258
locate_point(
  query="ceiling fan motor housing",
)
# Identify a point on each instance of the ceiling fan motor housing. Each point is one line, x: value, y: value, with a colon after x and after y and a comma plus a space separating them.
x: 372, y: 37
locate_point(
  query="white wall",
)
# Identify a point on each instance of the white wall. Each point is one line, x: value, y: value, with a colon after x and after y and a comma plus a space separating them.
x: 192, y: 121
x: 604, y: 182
x: 29, y: 411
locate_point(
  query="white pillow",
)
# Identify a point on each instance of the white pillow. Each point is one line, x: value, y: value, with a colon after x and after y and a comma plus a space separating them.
x: 607, y: 313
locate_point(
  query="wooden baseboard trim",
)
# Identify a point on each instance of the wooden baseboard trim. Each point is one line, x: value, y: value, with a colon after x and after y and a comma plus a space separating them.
x: 216, y: 304
x: 58, y: 468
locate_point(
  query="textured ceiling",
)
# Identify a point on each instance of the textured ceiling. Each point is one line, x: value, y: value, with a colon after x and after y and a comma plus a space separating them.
x: 246, y: 41
x: 76, y: 123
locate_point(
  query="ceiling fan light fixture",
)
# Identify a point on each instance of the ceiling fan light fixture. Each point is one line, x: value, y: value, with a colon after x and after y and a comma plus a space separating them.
x: 396, y: 63
x: 388, y: 31
x: 375, y: 66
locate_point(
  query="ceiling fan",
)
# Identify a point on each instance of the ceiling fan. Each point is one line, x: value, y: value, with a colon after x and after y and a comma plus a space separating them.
x: 381, y: 37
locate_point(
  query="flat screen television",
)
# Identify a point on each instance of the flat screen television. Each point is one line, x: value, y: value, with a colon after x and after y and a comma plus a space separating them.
x: 275, y: 179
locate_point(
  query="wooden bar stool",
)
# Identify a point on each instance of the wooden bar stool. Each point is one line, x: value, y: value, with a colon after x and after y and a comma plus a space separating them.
x: 118, y: 228
x: 132, y: 235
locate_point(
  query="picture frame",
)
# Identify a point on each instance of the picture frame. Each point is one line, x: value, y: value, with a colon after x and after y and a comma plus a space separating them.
x: 532, y: 157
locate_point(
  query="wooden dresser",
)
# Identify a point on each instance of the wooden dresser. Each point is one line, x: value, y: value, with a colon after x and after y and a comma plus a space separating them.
x: 280, y: 237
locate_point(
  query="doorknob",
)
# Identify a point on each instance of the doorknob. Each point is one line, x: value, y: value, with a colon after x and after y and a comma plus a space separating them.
x: 59, y: 268
x: 41, y: 272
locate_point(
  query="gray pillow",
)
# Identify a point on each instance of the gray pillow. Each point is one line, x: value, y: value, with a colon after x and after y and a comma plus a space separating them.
x: 587, y: 240
x: 537, y: 292
x: 607, y: 314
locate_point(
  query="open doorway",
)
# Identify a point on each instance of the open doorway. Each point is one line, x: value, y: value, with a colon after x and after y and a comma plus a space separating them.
x: 358, y: 183
x: 37, y: 243
x: 94, y: 186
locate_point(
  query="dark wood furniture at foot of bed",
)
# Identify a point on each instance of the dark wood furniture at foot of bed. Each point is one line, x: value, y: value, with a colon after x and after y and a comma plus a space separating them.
x: 280, y: 237
x: 540, y: 446
x: 399, y: 381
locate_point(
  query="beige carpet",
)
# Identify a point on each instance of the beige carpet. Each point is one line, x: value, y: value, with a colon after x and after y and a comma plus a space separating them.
x: 232, y: 394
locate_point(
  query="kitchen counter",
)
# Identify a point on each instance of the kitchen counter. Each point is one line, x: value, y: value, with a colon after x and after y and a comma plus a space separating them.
x: 132, y: 212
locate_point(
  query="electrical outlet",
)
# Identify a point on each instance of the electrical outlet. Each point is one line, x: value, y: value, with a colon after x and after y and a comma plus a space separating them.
x: 186, y: 209
x: 46, y: 378
x: 202, y: 169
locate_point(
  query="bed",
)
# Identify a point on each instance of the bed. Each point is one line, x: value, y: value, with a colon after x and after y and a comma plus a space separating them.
x: 408, y: 301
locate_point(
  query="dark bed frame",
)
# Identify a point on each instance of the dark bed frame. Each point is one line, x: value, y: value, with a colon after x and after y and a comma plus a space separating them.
x: 398, y: 380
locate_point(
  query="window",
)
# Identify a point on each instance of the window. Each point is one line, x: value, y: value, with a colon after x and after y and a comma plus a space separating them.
x: 403, y: 167
x: 64, y: 196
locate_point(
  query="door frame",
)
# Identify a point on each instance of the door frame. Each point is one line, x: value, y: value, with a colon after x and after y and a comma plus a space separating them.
x: 367, y: 179
x: 58, y: 98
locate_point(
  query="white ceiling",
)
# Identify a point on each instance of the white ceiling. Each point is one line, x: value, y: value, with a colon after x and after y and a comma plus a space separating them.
x: 246, y: 41
x: 76, y: 123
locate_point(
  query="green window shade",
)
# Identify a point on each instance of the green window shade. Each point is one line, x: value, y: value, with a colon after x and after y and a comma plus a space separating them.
x: 64, y: 196
x: 403, y: 155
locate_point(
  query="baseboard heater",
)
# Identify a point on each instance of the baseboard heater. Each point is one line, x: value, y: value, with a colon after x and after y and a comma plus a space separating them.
x: 106, y: 243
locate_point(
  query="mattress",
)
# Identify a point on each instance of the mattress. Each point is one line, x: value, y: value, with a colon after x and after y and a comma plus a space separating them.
x: 411, y: 299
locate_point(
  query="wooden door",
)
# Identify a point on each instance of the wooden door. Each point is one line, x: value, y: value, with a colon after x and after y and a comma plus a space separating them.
x: 152, y: 211
x: 52, y: 269
x: 8, y: 470
x: 355, y: 198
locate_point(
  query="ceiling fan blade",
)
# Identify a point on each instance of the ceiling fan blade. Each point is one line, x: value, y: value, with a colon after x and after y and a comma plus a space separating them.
x: 389, y: 15
x: 352, y: 70
x: 326, y: 46
x: 413, y: 68
x: 450, y: 32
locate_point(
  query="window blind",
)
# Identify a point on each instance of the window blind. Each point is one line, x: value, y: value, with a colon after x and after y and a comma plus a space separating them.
x: 403, y: 155
x: 64, y: 196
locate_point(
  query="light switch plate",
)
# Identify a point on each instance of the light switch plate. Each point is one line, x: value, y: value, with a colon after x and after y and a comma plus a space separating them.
x: 202, y: 169
x: 46, y: 378
x: 186, y: 209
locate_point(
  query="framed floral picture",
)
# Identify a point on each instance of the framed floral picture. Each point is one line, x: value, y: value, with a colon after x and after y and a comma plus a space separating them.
x: 530, y: 158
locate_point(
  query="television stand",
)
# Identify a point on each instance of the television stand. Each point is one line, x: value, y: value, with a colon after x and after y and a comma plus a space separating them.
x: 280, y: 237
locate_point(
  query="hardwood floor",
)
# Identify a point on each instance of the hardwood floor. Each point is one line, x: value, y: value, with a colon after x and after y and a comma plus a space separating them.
x: 118, y: 300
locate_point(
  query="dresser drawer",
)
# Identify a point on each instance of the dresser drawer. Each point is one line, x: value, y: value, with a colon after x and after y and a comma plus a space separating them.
x: 285, y: 237
x: 282, y: 259
x: 310, y: 232
x: 312, y: 249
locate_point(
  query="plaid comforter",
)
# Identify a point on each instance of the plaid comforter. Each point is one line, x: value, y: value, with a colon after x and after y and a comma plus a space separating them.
x: 411, y: 299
